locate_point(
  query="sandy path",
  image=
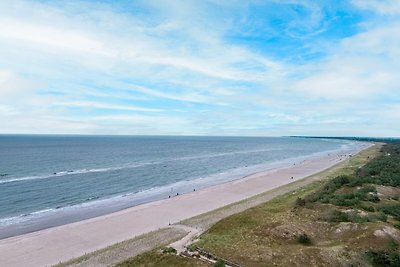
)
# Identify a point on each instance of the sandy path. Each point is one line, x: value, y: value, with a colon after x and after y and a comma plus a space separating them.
x: 51, y: 246
x: 181, y: 243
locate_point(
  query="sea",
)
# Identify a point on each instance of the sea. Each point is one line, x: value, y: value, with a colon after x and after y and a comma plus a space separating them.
x: 50, y: 180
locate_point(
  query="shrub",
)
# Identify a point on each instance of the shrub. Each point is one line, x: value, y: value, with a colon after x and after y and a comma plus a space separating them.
x: 347, y: 200
x: 169, y: 250
x: 384, y: 170
x: 341, y: 180
x: 360, y: 219
x: 380, y: 258
x: 372, y: 198
x: 192, y: 247
x: 392, y: 245
x: 219, y: 263
x: 381, y: 217
x: 365, y: 207
x: 300, y: 202
x: 367, y: 189
x: 323, y: 195
x: 336, y: 216
x: 304, y: 239
x: 391, y: 209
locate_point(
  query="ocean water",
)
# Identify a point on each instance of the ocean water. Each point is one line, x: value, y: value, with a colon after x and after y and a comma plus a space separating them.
x: 51, y: 180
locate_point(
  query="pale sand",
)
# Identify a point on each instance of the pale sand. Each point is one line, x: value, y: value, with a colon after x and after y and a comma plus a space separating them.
x: 51, y: 246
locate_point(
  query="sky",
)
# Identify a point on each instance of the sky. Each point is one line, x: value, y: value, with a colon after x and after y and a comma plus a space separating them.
x: 204, y: 67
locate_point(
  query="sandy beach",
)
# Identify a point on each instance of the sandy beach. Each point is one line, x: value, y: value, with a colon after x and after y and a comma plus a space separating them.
x: 51, y: 246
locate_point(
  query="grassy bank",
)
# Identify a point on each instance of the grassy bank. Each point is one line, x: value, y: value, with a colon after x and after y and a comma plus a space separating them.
x: 291, y: 229
x: 350, y: 220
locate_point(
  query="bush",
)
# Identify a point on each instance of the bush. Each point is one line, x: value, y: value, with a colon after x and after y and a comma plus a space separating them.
x: 191, y: 247
x: 341, y: 180
x: 367, y: 189
x: 169, y: 250
x: 336, y: 216
x: 382, y: 217
x: 384, y: 170
x: 380, y: 258
x: 392, y: 245
x: 369, y: 208
x: 372, y: 198
x: 366, y: 193
x: 397, y: 225
x: 347, y: 200
x: 325, y: 193
x: 300, y: 202
x: 219, y: 263
x: 391, y: 209
x: 304, y: 239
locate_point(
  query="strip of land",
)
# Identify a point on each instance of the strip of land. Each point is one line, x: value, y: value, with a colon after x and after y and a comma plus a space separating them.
x: 350, y: 219
x: 58, y: 244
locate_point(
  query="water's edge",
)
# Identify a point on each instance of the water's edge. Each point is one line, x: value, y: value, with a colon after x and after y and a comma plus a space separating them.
x: 60, y: 216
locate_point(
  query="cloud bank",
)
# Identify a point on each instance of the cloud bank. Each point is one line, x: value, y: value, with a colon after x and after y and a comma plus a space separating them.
x: 292, y: 67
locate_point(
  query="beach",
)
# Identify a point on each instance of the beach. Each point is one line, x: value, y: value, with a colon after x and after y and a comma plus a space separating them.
x: 51, y: 246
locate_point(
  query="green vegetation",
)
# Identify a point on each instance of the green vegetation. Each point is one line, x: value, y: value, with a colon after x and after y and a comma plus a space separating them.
x: 113, y: 254
x: 304, y: 239
x: 389, y: 257
x: 341, y: 214
x: 391, y: 209
x: 381, y: 258
x: 328, y: 193
x: 346, y: 220
x: 219, y: 263
x: 359, y: 190
x: 169, y: 250
x: 157, y: 258
x: 383, y: 170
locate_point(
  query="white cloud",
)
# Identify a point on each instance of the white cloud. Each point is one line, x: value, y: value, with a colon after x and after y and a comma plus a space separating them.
x: 185, y: 97
x: 99, y: 105
x: 94, y: 56
x: 45, y: 35
x: 387, y: 7
x: 362, y: 66
x: 15, y: 89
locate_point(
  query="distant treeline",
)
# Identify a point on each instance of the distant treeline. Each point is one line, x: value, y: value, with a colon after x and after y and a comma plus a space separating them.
x: 369, y: 139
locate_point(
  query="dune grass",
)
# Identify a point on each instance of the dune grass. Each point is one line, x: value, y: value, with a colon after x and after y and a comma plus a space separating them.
x: 156, y: 258
x: 280, y: 233
x: 338, y: 234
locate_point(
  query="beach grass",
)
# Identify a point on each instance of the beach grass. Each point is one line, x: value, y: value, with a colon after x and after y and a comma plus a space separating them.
x: 156, y: 258
x: 347, y: 167
x: 127, y: 249
x: 270, y: 232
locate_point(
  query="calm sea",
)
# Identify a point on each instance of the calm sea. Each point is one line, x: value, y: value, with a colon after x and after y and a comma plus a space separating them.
x: 50, y: 180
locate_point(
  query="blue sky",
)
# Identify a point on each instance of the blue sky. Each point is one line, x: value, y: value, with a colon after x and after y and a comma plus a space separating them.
x: 257, y: 68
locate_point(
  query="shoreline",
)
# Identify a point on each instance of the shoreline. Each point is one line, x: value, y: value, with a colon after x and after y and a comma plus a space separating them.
x: 73, y: 240
x: 54, y: 217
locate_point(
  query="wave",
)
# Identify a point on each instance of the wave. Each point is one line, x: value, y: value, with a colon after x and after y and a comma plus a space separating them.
x: 71, y: 172
x: 96, y: 170
x: 23, y: 217
x: 129, y: 199
x: 131, y: 166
